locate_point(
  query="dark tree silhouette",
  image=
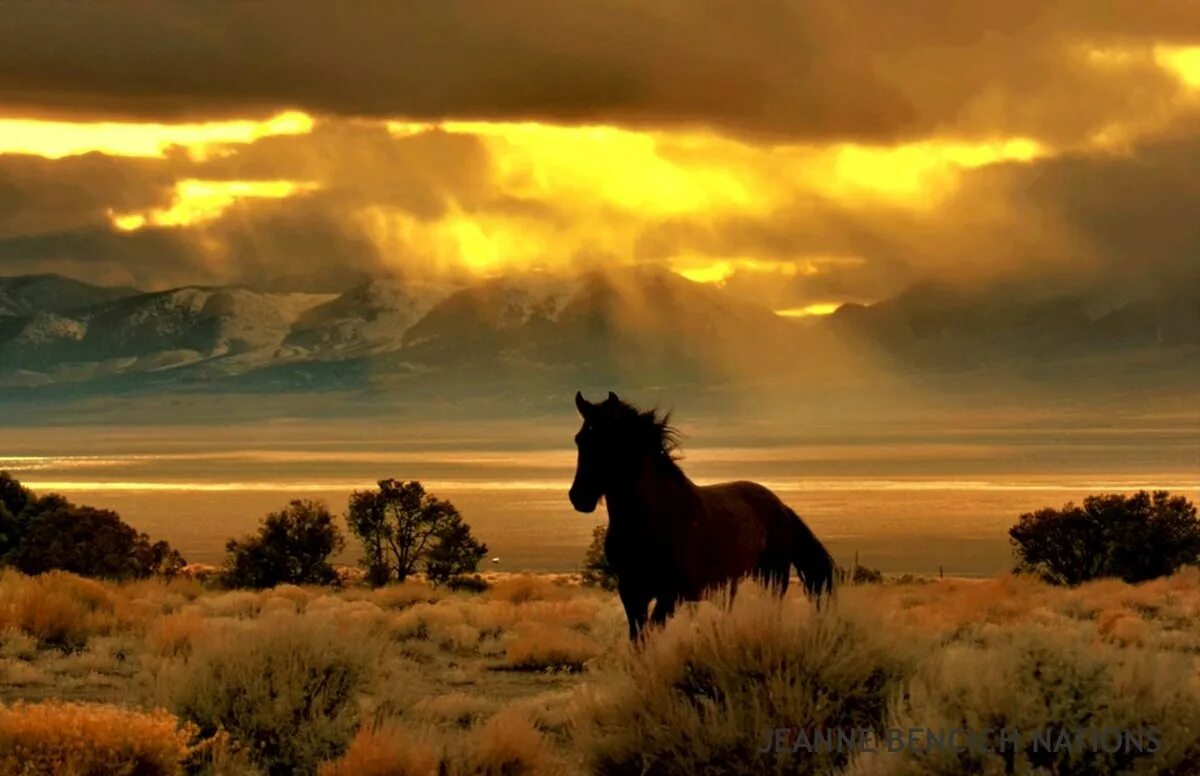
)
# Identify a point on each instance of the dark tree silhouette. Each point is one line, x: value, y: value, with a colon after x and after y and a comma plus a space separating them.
x: 14, y: 498
x: 89, y: 542
x: 403, y: 530
x: 455, y: 553
x: 596, y: 570
x: 293, y: 546
x: 1134, y: 538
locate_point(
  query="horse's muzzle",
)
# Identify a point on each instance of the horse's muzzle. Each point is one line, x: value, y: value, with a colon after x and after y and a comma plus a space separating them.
x: 582, y: 504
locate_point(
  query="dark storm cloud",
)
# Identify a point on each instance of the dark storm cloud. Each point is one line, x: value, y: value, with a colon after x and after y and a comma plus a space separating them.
x: 55, y: 213
x: 150, y: 258
x: 302, y: 244
x: 360, y: 163
x: 1114, y: 226
x: 816, y: 69
x: 39, y: 195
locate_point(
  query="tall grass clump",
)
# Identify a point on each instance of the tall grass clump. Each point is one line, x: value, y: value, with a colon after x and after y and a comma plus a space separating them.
x: 388, y: 750
x: 1079, y: 707
x: 702, y: 695
x: 284, y: 686
x: 58, y: 609
x: 85, y: 739
x: 507, y: 744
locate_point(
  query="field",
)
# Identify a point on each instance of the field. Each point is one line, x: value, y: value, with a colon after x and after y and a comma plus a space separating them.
x: 534, y: 675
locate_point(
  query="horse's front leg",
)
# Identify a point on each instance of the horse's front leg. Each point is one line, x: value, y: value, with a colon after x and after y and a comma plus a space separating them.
x: 664, y: 607
x: 635, y: 612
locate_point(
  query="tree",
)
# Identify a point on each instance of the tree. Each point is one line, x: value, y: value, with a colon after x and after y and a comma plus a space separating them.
x: 89, y: 542
x: 1135, y: 538
x: 14, y: 498
x: 596, y: 571
x: 455, y: 553
x: 403, y: 529
x: 293, y: 546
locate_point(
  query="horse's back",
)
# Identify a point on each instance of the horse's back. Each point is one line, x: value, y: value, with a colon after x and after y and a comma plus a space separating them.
x: 743, y: 522
x: 743, y: 496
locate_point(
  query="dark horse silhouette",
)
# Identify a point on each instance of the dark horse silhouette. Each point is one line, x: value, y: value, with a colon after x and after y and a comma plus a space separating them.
x: 671, y: 540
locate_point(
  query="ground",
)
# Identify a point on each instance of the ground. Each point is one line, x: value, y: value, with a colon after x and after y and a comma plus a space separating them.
x: 535, y: 675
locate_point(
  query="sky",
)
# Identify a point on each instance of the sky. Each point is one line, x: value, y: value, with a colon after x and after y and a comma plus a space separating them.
x: 804, y: 154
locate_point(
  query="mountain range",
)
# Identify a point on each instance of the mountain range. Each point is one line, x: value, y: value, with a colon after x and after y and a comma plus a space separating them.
x: 633, y: 325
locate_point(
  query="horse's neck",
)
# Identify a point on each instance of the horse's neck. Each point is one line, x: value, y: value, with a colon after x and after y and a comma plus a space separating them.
x: 654, y: 496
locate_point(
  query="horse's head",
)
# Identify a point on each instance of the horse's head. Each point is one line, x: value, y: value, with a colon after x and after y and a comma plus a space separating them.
x: 612, y: 437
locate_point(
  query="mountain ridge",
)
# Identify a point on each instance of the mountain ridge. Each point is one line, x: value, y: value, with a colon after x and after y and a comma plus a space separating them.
x: 629, y: 324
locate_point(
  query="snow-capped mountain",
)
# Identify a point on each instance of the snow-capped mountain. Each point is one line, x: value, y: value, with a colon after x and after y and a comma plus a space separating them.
x: 369, y: 318
x: 28, y: 294
x: 630, y: 325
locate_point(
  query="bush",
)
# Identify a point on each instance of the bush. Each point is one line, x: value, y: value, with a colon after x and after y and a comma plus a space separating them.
x: 404, y: 529
x: 864, y: 575
x: 60, y: 610
x: 469, y: 583
x: 539, y: 646
x: 293, y: 546
x: 285, y: 687
x: 507, y: 743
x: 702, y: 694
x: 387, y: 751
x: 1039, y: 680
x: 1133, y: 538
x: 79, y: 738
x: 596, y: 570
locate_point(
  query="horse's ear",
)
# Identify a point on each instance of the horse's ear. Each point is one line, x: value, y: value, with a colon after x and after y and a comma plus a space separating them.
x: 612, y: 397
x: 583, y: 405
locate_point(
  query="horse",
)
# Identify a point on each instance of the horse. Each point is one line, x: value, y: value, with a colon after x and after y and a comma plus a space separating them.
x: 670, y: 540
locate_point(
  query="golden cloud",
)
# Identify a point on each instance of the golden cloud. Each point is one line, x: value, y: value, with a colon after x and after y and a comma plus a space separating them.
x: 56, y: 139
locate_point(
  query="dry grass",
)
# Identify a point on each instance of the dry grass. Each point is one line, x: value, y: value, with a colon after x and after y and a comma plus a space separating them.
x: 540, y: 646
x: 521, y: 588
x: 414, y: 679
x: 77, y: 738
x: 288, y: 689
x: 388, y: 751
x: 699, y: 696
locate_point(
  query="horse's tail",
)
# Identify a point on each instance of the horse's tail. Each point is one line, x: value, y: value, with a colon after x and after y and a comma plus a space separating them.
x: 811, y: 559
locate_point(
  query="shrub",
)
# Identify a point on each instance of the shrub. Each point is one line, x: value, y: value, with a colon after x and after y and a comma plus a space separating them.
x: 538, y: 646
x: 469, y: 583
x: 1133, y: 538
x: 388, y: 751
x: 508, y: 743
x: 403, y: 529
x: 596, y: 570
x: 521, y: 588
x: 1043, y: 682
x: 293, y: 546
x: 864, y: 575
x: 59, y: 610
x: 284, y: 686
x: 701, y: 695
x: 79, y: 738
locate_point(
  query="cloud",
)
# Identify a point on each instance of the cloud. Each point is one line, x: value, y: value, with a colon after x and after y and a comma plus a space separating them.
x: 799, y: 69
x: 39, y: 195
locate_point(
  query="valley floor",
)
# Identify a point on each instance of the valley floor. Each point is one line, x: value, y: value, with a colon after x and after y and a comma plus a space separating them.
x: 534, y: 675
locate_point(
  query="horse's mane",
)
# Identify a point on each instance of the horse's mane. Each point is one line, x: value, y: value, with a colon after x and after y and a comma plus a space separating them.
x: 653, y: 429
